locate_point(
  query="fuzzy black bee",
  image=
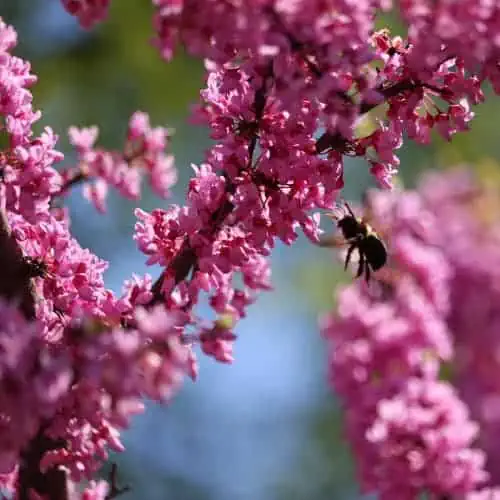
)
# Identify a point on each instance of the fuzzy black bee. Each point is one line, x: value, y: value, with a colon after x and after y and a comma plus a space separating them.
x: 359, y: 235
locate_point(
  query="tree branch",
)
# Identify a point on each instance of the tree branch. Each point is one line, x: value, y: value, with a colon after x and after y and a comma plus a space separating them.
x: 16, y: 286
x: 51, y: 484
x: 185, y: 261
x: 15, y: 282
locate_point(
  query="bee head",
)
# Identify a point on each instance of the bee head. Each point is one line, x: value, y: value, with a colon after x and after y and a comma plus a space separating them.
x: 351, y: 227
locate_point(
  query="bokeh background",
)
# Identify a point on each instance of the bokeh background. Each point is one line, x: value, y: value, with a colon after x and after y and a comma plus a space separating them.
x: 266, y: 427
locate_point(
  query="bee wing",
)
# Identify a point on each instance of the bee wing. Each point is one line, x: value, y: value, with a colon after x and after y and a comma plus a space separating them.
x: 336, y: 214
x: 382, y: 230
x: 332, y: 241
x: 367, y: 207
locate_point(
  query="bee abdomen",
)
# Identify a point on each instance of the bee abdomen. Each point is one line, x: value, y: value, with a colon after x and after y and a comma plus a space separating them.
x: 375, y: 251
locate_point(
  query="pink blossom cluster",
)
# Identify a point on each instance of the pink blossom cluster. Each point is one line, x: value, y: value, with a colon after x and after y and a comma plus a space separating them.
x: 143, y: 154
x: 112, y: 371
x: 471, y: 236
x: 466, y: 30
x: 76, y: 362
x: 33, y: 379
x: 329, y: 54
x: 88, y: 12
x: 82, y: 389
x: 433, y: 307
x: 259, y: 183
x: 28, y: 177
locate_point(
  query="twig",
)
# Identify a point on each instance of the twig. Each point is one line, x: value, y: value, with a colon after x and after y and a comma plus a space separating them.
x: 76, y: 179
x: 186, y: 260
x: 116, y: 490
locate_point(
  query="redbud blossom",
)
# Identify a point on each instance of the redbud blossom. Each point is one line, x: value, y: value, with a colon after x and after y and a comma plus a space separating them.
x: 143, y: 154
x: 88, y: 12
x: 435, y: 303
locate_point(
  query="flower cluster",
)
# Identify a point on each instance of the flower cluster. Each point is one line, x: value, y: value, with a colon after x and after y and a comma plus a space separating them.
x: 143, y: 153
x: 76, y: 362
x: 434, y: 306
x: 112, y: 371
x: 33, y: 377
x: 239, y: 202
x: 471, y: 237
x: 88, y: 12
x: 463, y: 30
x: 28, y: 178
x: 85, y: 388
x: 329, y: 54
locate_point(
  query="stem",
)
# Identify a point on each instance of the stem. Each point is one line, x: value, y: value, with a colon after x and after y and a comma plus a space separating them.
x: 115, y: 490
x: 76, y: 179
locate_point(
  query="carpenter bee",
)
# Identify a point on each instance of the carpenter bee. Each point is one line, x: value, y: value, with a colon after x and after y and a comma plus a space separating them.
x: 360, y: 235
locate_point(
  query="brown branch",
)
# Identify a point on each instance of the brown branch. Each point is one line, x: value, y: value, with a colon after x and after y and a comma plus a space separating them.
x: 76, y: 179
x: 51, y: 484
x: 390, y: 91
x: 115, y: 490
x: 186, y: 260
x: 15, y: 282
x: 16, y: 287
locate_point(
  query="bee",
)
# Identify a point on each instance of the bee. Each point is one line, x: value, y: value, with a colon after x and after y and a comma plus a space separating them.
x: 360, y: 235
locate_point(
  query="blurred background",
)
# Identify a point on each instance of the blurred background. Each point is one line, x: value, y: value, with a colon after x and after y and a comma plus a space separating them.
x: 266, y: 427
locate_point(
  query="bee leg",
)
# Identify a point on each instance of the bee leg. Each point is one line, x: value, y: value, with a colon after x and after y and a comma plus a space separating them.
x: 361, y: 265
x: 349, y: 255
x: 367, y: 272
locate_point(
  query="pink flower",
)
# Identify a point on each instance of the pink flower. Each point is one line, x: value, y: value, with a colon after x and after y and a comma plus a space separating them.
x: 143, y: 153
x: 88, y: 12
x: 34, y: 378
x: 421, y: 438
x: 412, y: 433
x: 83, y: 139
x: 97, y: 490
